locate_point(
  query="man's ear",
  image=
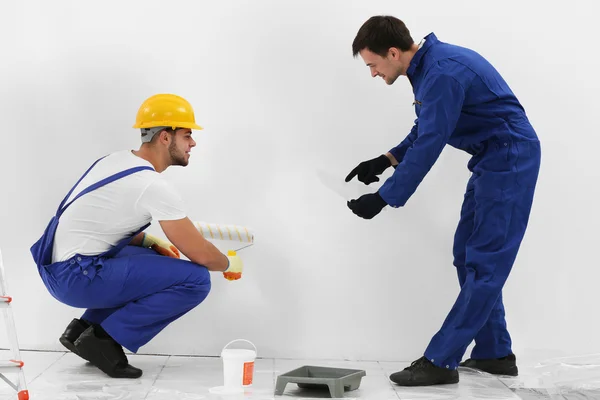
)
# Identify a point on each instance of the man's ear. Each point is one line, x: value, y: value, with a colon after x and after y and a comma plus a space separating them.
x: 394, y: 53
x: 164, y: 136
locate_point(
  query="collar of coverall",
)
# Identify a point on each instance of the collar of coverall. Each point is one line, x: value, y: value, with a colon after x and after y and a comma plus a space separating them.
x: 425, y: 44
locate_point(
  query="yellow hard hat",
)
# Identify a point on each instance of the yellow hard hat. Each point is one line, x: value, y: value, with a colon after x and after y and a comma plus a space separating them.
x: 166, y: 110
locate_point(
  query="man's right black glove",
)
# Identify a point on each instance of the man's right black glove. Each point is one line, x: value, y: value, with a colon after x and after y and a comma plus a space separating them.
x: 367, y: 171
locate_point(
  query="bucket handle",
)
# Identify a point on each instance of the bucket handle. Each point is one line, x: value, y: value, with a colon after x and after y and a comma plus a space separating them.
x: 242, y: 340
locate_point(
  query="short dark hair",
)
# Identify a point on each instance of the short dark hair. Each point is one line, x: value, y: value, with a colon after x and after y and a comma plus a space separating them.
x: 381, y: 32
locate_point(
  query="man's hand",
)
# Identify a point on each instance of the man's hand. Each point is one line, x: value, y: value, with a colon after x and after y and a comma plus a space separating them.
x: 368, y: 205
x: 234, y: 271
x: 367, y: 171
x: 160, y: 246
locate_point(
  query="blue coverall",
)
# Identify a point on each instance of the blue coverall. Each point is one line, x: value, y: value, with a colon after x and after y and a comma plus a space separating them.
x: 132, y: 292
x: 461, y: 100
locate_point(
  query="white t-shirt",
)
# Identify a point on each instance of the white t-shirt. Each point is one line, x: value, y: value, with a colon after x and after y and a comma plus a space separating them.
x: 98, y: 220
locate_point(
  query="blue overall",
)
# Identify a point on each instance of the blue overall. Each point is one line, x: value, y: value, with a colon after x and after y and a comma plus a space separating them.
x: 461, y: 100
x: 132, y: 292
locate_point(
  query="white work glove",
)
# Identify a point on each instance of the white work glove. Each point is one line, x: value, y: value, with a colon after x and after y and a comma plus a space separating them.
x: 160, y: 246
x: 234, y: 271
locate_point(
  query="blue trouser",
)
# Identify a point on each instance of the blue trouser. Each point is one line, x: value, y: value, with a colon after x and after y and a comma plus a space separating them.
x: 133, y: 295
x: 493, y: 220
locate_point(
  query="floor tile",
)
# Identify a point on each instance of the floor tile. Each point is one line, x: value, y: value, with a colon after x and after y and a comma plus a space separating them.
x: 65, y: 376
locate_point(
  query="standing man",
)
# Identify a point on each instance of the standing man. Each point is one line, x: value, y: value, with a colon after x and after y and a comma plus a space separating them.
x: 95, y: 255
x: 461, y: 100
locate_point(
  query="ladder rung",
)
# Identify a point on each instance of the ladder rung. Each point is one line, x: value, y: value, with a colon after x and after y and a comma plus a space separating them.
x: 5, y: 299
x: 11, y: 364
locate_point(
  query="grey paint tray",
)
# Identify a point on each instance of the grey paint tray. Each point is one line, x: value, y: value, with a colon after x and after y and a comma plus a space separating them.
x: 308, y: 377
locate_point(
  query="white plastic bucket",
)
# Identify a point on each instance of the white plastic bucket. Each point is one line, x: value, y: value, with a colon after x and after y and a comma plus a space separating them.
x: 238, y: 368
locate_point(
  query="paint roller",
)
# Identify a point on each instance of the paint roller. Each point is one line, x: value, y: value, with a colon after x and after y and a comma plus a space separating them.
x: 234, y: 233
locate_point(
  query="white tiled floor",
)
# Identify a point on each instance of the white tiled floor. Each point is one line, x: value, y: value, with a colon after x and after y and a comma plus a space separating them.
x: 59, y: 376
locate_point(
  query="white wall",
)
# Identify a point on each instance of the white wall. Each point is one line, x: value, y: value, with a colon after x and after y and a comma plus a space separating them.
x: 285, y: 104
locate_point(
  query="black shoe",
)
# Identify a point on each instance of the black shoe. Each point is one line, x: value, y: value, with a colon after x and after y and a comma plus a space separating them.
x: 106, y: 354
x: 423, y: 373
x: 496, y: 366
x: 70, y: 335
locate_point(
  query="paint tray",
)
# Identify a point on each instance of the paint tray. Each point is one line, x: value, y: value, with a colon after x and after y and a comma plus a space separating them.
x: 337, y: 380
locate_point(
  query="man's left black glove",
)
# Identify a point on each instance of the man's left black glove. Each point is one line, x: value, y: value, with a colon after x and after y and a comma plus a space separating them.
x: 368, y: 205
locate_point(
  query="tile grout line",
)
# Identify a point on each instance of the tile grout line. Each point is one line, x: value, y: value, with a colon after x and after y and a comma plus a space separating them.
x: 157, y: 375
x: 274, y: 378
x: 389, y: 381
x: 507, y: 387
x: 49, y: 366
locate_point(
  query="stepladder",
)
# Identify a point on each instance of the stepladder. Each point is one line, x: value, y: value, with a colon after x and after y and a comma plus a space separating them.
x: 14, y: 365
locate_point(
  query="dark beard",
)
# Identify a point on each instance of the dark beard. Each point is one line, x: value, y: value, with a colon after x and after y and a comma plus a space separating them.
x: 176, y: 159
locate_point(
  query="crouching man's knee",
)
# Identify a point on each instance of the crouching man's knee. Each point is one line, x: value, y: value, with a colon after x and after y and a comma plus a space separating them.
x: 201, y: 286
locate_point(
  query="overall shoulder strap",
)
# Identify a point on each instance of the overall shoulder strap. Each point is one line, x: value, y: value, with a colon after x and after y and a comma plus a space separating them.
x: 105, y: 181
x: 74, y: 186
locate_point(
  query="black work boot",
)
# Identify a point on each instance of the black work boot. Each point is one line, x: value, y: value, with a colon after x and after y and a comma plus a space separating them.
x: 496, y: 366
x: 105, y: 353
x: 423, y: 373
x: 70, y: 335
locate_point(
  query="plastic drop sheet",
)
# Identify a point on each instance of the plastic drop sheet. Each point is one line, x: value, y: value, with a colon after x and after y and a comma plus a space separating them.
x: 565, y: 378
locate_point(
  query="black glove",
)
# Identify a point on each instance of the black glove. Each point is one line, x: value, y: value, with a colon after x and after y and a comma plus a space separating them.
x: 367, y: 170
x: 368, y: 205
